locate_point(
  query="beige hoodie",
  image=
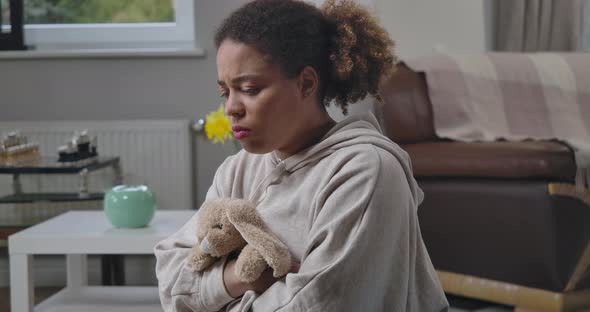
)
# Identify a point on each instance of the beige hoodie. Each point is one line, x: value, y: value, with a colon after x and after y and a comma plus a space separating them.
x: 346, y: 208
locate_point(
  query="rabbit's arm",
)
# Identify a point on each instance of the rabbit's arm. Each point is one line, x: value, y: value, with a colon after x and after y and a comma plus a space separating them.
x: 249, y: 265
x: 200, y: 260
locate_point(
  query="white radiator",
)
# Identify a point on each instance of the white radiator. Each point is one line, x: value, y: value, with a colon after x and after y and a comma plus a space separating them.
x: 152, y: 152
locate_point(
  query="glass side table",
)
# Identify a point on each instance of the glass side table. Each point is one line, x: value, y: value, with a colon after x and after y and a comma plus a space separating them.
x: 49, y: 165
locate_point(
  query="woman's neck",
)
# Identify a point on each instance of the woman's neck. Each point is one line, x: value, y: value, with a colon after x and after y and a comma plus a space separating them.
x: 310, y: 135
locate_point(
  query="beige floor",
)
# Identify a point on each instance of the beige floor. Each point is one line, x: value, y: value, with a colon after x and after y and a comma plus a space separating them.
x: 40, y: 295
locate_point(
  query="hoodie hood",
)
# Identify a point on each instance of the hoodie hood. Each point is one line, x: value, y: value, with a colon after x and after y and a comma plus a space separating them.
x: 357, y: 129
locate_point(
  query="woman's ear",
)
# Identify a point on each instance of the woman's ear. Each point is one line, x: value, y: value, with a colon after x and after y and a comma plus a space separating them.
x: 308, y: 82
x: 246, y: 220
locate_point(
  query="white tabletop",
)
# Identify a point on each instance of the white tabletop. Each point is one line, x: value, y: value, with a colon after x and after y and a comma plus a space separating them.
x: 89, y: 232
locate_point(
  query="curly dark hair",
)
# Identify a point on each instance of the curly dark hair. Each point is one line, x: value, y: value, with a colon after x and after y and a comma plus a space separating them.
x: 341, y: 40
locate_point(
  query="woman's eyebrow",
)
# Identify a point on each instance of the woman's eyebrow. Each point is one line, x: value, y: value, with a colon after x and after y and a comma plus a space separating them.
x: 240, y: 79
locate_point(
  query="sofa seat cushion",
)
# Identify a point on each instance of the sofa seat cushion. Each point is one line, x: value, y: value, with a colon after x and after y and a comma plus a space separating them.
x: 513, y: 160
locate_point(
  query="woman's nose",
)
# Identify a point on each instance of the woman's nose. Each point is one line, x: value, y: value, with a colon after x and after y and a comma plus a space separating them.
x: 234, y: 107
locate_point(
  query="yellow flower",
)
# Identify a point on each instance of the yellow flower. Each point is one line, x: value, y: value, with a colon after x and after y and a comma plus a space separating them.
x: 217, y: 126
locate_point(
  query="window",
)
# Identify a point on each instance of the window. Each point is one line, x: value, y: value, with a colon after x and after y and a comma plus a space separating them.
x: 586, y: 34
x: 115, y: 24
x: 11, y: 37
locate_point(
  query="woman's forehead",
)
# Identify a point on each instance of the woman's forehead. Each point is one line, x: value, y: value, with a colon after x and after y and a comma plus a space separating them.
x: 237, y: 59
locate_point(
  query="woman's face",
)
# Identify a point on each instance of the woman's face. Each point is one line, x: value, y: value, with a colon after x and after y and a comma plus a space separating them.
x: 267, y: 110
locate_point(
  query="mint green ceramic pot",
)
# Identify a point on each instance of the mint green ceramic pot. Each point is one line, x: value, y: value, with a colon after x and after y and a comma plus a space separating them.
x: 129, y: 206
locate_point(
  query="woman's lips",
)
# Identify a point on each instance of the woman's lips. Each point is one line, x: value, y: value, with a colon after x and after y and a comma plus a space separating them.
x: 240, y: 132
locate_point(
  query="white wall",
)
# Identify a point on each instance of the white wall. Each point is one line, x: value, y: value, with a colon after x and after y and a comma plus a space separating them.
x: 419, y: 25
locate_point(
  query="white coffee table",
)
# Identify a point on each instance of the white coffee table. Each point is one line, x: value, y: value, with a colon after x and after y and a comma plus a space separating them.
x: 77, y: 234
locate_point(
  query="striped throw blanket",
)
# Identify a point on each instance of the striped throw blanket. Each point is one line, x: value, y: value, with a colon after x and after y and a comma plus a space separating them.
x: 512, y: 96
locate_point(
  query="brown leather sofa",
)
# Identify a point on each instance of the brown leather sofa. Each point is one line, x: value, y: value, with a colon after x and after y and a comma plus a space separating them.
x: 493, y: 230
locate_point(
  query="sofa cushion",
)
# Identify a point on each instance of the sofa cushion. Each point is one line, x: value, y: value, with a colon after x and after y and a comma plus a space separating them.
x: 529, y: 159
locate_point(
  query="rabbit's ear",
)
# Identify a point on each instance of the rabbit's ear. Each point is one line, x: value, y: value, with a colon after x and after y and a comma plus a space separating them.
x: 244, y: 217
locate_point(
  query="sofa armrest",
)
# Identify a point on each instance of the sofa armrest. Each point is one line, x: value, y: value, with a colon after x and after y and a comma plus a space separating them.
x: 548, y: 160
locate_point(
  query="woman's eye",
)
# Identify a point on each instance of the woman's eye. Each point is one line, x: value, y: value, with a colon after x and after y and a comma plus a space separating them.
x: 218, y: 226
x: 224, y: 95
x: 252, y: 91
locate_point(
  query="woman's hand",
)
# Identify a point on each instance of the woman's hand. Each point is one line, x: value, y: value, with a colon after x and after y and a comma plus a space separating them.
x: 236, y: 288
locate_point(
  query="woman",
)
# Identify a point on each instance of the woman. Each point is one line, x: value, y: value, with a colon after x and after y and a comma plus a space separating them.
x: 341, y: 196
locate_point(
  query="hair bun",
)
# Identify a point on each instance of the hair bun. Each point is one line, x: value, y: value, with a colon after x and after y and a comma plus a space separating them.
x: 361, y: 51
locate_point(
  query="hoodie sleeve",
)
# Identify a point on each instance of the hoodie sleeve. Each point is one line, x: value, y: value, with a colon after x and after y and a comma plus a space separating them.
x: 180, y: 288
x: 364, y: 251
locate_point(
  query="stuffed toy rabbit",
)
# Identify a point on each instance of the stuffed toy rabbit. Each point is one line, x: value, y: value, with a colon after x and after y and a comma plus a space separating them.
x: 226, y: 225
